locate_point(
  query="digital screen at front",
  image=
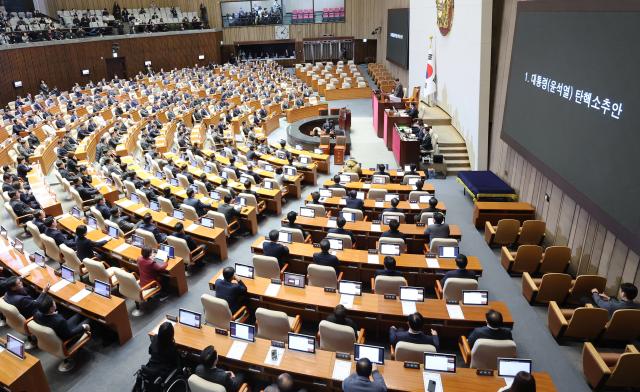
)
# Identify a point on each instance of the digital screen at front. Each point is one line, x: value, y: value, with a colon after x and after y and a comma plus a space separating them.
x: 573, y: 108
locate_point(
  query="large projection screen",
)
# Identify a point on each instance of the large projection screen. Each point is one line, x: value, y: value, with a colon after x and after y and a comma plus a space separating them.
x: 398, y: 36
x: 573, y: 104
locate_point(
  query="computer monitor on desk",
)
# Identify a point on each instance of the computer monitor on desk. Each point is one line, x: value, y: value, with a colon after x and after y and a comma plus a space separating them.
x: 189, y: 318
x: 349, y: 287
x: 375, y: 354
x: 434, y: 362
x: 303, y: 343
x: 242, y: 331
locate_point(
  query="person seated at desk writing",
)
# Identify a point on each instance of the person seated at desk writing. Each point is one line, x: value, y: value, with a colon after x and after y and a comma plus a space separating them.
x: 231, y: 212
x: 147, y: 224
x: 394, y: 206
x: 191, y: 201
x: 438, y: 229
x: 340, y: 223
x: 208, y: 370
x: 354, y: 202
x: 339, y: 316
x: 393, y: 231
x: 360, y: 380
x: 381, y: 170
x: 231, y: 289
x: 493, y: 330
x: 275, y: 249
x: 461, y: 272
x: 84, y: 247
x: 324, y: 257
x: 24, y: 300
x: 66, y: 329
x: 414, y: 334
x: 627, y: 293
x: 291, y: 223
x: 389, y: 267
x: 180, y: 233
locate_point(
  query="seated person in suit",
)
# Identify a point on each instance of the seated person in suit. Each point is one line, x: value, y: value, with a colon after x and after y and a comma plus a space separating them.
x: 66, y: 329
x: 413, y: 110
x: 206, y: 182
x: 84, y: 247
x: 230, y: 211
x: 224, y: 184
x: 628, y: 292
x: 340, y: 223
x: 231, y: 289
x: 389, y: 267
x: 166, y: 193
x: 19, y: 207
x: 22, y: 169
x: 148, y: 269
x: 147, y: 224
x: 248, y: 190
x: 284, y: 383
x: 121, y: 220
x: 191, y: 201
x: 433, y: 202
x: 179, y: 232
x: 85, y: 190
x: 354, y: 202
x: 164, y: 355
x: 493, y: 330
x: 438, y: 229
x: 148, y: 191
x: 291, y: 223
x: 324, y: 257
x: 275, y: 249
x: 393, y: 231
x: 208, y: 370
x: 413, y: 169
x: 461, y: 272
x: 339, y: 316
x: 414, y: 334
x: 394, y: 206
x: 102, y: 206
x: 38, y: 220
x: 381, y: 170
x: 18, y: 296
x: 52, y: 231
x: 361, y: 381
x: 336, y: 182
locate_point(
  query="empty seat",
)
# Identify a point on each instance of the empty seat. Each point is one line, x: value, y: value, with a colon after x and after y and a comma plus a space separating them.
x: 585, y: 323
x: 555, y: 259
x: 485, y: 352
x: 505, y: 233
x: 583, y: 285
x: 388, y: 284
x: 411, y: 352
x: 624, y: 326
x: 611, y: 370
x: 453, y: 288
x: 337, y: 337
x: 218, y: 314
x: 275, y: 325
x: 322, y: 276
x: 551, y: 287
x: 532, y: 232
x: 267, y: 267
x: 525, y: 259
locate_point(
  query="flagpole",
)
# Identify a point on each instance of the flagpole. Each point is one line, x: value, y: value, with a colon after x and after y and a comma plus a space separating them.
x: 430, y: 96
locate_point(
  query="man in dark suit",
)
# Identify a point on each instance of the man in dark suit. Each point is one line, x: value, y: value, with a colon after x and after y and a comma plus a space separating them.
x: 398, y: 90
x: 354, y: 202
x: 18, y: 296
x: 38, y: 220
x: 85, y: 247
x: 103, y: 208
x: 121, y: 220
x: 48, y: 316
x: 493, y: 329
x: 148, y: 191
x: 360, y: 380
x: 394, y: 206
x: 438, y: 229
x: 147, y: 224
x: 462, y: 271
x: 231, y: 289
x: 230, y: 212
x: 433, y: 202
x: 414, y: 334
x: 627, y: 293
x: 339, y: 316
x: 20, y: 208
x: 412, y: 111
x: 381, y: 170
x: 393, y: 231
x: 84, y: 188
x: 179, y: 233
x: 340, y: 223
x: 208, y: 370
x: 336, y: 182
x: 291, y: 223
x: 275, y: 249
x: 191, y: 201
x: 389, y: 268
x: 52, y: 231
x: 324, y: 257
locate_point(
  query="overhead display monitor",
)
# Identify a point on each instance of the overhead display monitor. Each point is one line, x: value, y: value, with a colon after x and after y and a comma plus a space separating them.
x: 398, y: 36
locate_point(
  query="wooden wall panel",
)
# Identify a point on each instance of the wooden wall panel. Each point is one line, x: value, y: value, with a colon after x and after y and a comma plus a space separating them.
x: 594, y: 248
x: 60, y: 64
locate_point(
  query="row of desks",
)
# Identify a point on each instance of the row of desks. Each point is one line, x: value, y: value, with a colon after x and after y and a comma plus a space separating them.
x: 401, y: 189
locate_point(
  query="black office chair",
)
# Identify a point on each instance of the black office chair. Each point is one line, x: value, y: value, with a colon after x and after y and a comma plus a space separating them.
x: 148, y: 380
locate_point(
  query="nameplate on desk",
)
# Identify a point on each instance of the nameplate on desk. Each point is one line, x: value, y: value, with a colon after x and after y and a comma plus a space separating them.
x: 166, y: 220
x: 379, y: 204
x: 192, y: 227
x: 316, y: 245
x: 329, y: 289
x: 373, y: 259
x: 237, y: 349
x: 141, y: 210
x: 411, y: 365
x: 79, y: 296
x: 172, y: 318
x: 455, y: 312
x: 126, y: 203
x: 223, y: 332
x: 432, y: 262
x: 345, y: 356
x: 376, y: 228
x: 272, y: 290
x: 25, y: 270
x: 277, y: 343
x: 105, y: 238
x: 390, y: 296
x: 59, y: 285
x: 121, y: 248
x: 420, y: 224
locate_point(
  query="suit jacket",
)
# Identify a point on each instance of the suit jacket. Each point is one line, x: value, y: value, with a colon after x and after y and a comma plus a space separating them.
x: 58, y: 236
x: 63, y: 329
x: 613, y: 304
x: 398, y: 91
x: 27, y: 306
x: 392, y: 209
x: 149, y: 270
x: 233, y: 293
x: 190, y: 242
x: 20, y: 208
x: 275, y: 249
x: 355, y: 383
x: 326, y: 259
x: 229, y: 211
x: 85, y: 247
x: 40, y: 225
x: 386, y: 272
x: 105, y: 211
x: 400, y: 335
x: 437, y: 231
x: 392, y: 234
x: 160, y: 237
x: 296, y: 226
x: 199, y: 206
x: 489, y: 333
x: 459, y: 273
x: 217, y: 376
x: 339, y: 230
x: 356, y: 204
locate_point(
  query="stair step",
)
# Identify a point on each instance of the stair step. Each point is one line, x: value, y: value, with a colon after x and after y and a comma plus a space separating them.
x: 456, y: 157
x: 453, y: 149
x: 451, y: 144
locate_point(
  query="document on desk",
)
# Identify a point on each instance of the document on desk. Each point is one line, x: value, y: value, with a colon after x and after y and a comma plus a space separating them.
x: 455, y: 312
x: 79, y: 296
x: 341, y: 370
x: 166, y: 220
x: 432, y: 262
x: 105, y: 238
x: 373, y: 259
x: 408, y: 307
x: 366, y: 186
x: 121, y: 248
x: 192, y: 227
x: 376, y: 228
x: 272, y: 290
x: 379, y: 204
x: 274, y: 359
x: 59, y: 285
x: 331, y: 223
x: 435, y: 377
x: 346, y: 300
x: 141, y: 210
x: 236, y: 351
x: 126, y: 203
x: 28, y: 268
